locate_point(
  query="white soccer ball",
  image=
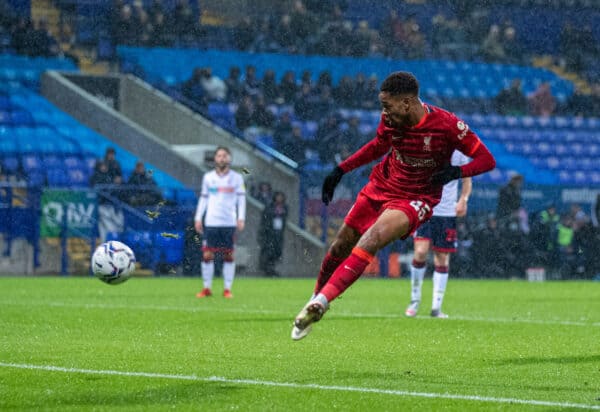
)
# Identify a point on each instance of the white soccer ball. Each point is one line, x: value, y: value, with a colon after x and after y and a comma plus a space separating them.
x: 113, y: 262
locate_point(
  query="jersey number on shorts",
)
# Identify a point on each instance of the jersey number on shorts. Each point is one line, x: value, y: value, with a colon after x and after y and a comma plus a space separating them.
x: 422, y: 208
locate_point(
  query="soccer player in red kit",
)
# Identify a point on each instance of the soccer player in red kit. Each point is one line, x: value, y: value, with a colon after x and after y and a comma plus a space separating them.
x: 418, y: 140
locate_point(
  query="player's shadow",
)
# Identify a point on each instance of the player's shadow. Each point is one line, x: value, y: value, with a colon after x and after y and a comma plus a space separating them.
x: 533, y: 360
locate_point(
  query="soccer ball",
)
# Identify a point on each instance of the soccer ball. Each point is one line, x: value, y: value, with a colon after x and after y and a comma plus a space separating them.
x: 113, y: 262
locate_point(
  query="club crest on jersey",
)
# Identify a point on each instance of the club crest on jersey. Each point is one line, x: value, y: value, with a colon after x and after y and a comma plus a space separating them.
x: 464, y: 129
x: 427, y: 143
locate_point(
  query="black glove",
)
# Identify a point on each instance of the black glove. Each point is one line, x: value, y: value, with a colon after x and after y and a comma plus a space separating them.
x: 329, y: 184
x: 446, y: 175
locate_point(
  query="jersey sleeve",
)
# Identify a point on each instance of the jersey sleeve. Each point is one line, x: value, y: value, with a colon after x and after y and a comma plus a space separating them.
x: 373, y: 150
x: 202, y: 201
x: 241, y: 198
x: 467, y: 142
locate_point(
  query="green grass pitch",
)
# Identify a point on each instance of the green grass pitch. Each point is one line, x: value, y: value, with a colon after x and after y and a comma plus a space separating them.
x: 70, y: 344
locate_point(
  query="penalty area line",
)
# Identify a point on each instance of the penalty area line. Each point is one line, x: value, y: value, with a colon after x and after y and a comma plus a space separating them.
x: 218, y: 379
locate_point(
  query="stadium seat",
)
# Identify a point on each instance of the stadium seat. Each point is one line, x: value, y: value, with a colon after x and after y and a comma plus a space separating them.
x: 10, y: 164
x: 168, y: 248
x: 31, y: 161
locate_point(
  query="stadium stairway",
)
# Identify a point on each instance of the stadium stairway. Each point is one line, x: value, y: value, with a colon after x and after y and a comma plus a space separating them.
x: 178, y: 141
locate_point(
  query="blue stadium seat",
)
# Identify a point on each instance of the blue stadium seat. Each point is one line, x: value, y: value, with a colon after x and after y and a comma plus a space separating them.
x: 77, y: 177
x: 57, y: 178
x: 52, y: 161
x: 36, y: 177
x: 10, y: 164
x: 74, y: 162
x: 31, y: 161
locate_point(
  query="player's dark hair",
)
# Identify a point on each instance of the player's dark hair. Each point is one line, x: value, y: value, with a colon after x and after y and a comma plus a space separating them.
x: 223, y: 148
x: 400, y: 83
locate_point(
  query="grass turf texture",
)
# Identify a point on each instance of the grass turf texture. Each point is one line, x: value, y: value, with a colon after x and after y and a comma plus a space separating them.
x: 510, y: 345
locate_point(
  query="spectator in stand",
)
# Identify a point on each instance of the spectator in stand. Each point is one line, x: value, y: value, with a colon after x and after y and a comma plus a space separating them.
x: 148, y: 193
x: 156, y: 8
x: 360, y: 90
x: 303, y: 24
x: 160, y: 34
x: 344, y: 92
x: 294, y: 146
x: 194, y: 90
x: 244, y: 32
x: 110, y: 216
x: 214, y: 87
x: 41, y: 42
x: 509, y: 201
x: 271, y: 233
x: 581, y: 103
x: 263, y: 40
x: 512, y: 46
x: 114, y: 167
x: 100, y: 175
x: 371, y: 89
x: 492, y: 49
x: 305, y: 103
x: 269, y: 87
x: 306, y: 78
x: 283, y: 127
x: 541, y: 101
x: 352, y: 136
x: 235, y: 88
x: 123, y: 27
x: 544, y: 235
x: 324, y: 81
x: 414, y: 40
x: 251, y: 83
x: 511, y: 100
x: 288, y: 87
x: 264, y: 193
x: 283, y: 35
x: 328, y: 138
x: 183, y: 22
x: 244, y: 113
x: 564, y: 242
x: 262, y: 117
x: 323, y: 104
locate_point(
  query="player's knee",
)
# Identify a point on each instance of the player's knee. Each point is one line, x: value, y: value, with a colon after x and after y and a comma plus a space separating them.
x: 228, y: 256
x: 421, y: 249
x: 208, y: 256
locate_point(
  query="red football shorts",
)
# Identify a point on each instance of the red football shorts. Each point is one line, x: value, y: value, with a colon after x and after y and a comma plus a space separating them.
x: 367, y: 208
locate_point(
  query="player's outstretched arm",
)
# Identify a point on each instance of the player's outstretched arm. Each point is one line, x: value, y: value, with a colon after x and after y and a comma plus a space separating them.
x: 483, y: 161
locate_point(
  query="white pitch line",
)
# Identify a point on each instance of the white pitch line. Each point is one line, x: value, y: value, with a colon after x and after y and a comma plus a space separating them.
x: 245, y: 310
x: 394, y: 392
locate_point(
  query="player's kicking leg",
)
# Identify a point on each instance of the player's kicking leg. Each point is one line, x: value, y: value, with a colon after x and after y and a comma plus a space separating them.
x: 318, y: 304
x: 391, y: 224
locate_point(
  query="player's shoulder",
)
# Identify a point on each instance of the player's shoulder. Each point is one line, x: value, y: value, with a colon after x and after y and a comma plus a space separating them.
x: 442, y: 114
x: 210, y: 174
x: 235, y: 174
x: 448, y: 120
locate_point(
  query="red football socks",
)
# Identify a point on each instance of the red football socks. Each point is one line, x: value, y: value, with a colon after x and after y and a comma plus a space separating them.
x: 329, y: 265
x: 347, y: 273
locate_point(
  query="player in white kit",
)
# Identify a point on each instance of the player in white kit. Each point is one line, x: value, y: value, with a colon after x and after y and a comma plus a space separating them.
x: 222, y: 204
x: 440, y: 233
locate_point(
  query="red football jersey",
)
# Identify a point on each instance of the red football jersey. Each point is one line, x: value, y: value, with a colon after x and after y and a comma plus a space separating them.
x: 414, y: 154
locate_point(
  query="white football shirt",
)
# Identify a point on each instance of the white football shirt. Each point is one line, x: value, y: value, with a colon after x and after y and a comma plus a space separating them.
x: 447, y: 205
x: 223, y: 198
